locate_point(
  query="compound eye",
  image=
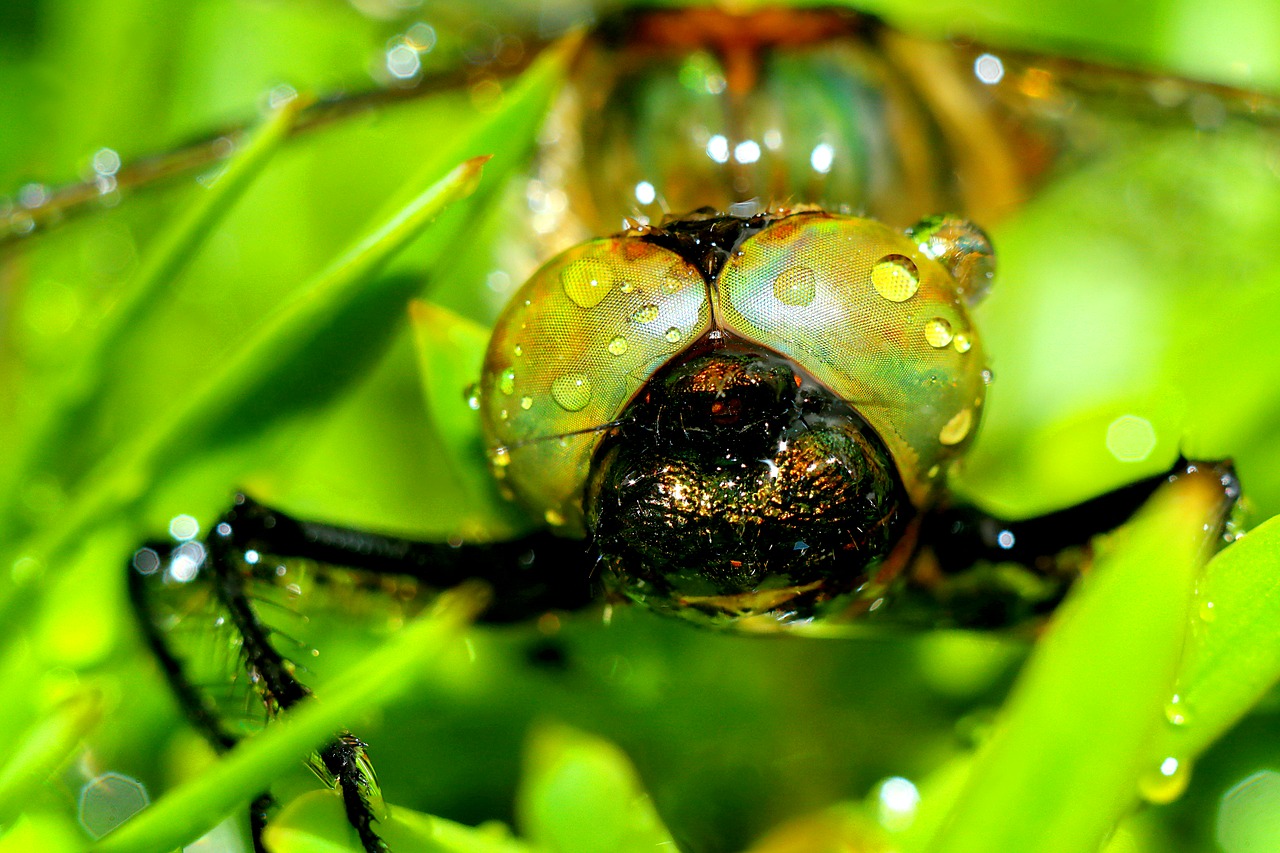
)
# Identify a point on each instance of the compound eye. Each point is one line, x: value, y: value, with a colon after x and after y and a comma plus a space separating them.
x: 875, y: 319
x: 572, y: 348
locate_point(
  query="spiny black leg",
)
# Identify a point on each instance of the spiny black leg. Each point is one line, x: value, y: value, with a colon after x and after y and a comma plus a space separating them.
x: 147, y: 569
x: 529, y: 576
x: 344, y: 763
x: 966, y: 534
x: 348, y: 762
x: 194, y: 704
x: 259, y: 813
x: 996, y: 572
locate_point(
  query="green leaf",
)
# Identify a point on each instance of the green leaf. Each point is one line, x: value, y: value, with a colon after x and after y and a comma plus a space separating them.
x: 1233, y: 652
x: 46, y: 832
x: 351, y: 442
x: 275, y: 352
x: 451, y: 352
x: 317, y: 823
x: 387, y: 674
x: 151, y: 288
x: 580, y: 794
x: 1071, y: 747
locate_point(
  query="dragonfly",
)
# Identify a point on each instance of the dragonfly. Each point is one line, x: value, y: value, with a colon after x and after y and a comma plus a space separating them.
x: 1191, y: 111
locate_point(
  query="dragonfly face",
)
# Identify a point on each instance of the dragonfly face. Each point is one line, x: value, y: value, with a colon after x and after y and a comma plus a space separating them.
x: 745, y: 414
x: 669, y: 112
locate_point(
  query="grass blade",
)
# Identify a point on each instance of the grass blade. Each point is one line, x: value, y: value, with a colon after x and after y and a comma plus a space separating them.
x: 386, y: 675
x: 44, y: 748
x: 1233, y: 654
x: 580, y: 794
x: 1068, y: 755
x: 123, y: 477
x: 152, y: 286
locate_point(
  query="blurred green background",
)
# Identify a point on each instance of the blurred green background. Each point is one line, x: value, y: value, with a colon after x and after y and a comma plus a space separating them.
x: 1133, y: 318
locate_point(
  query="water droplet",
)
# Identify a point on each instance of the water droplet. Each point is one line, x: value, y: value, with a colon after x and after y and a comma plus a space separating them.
x: 26, y: 569
x: 961, y: 342
x: 795, y: 286
x: 183, y: 527
x: 1166, y: 782
x: 472, y: 396
x: 645, y: 314
x: 896, y: 278
x: 673, y: 335
x: 554, y: 518
x: 572, y: 392
x: 33, y: 195
x: 587, y: 281
x: 106, y: 162
x: 957, y: 428
x: 626, y: 287
x: 1131, y: 438
x: 1177, y: 712
x: 937, y: 332
x: 526, y: 403
x: 22, y: 223
x: 618, y: 345
x: 898, y: 801
x: 500, y: 457
x: 518, y: 350
x: 679, y: 277
x: 987, y: 376
x: 934, y: 470
x: 507, y: 381
x: 503, y: 415
x: 1207, y: 611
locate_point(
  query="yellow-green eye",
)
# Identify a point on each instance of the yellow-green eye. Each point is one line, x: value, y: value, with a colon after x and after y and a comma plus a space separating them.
x: 852, y: 303
x: 861, y: 308
x: 574, y: 346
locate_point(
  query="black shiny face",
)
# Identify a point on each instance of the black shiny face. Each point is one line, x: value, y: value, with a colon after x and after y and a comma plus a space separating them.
x: 737, y: 486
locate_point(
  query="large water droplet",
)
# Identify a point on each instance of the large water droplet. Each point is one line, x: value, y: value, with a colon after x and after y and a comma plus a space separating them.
x: 507, y: 381
x: 896, y: 278
x: 587, y: 281
x: 526, y: 403
x: 962, y: 342
x: 795, y: 286
x: 618, y: 345
x: 472, y: 396
x: 572, y: 392
x: 645, y: 314
x: 1165, y: 782
x: 957, y: 428
x: 937, y: 332
x: 673, y: 335
x: 500, y: 457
